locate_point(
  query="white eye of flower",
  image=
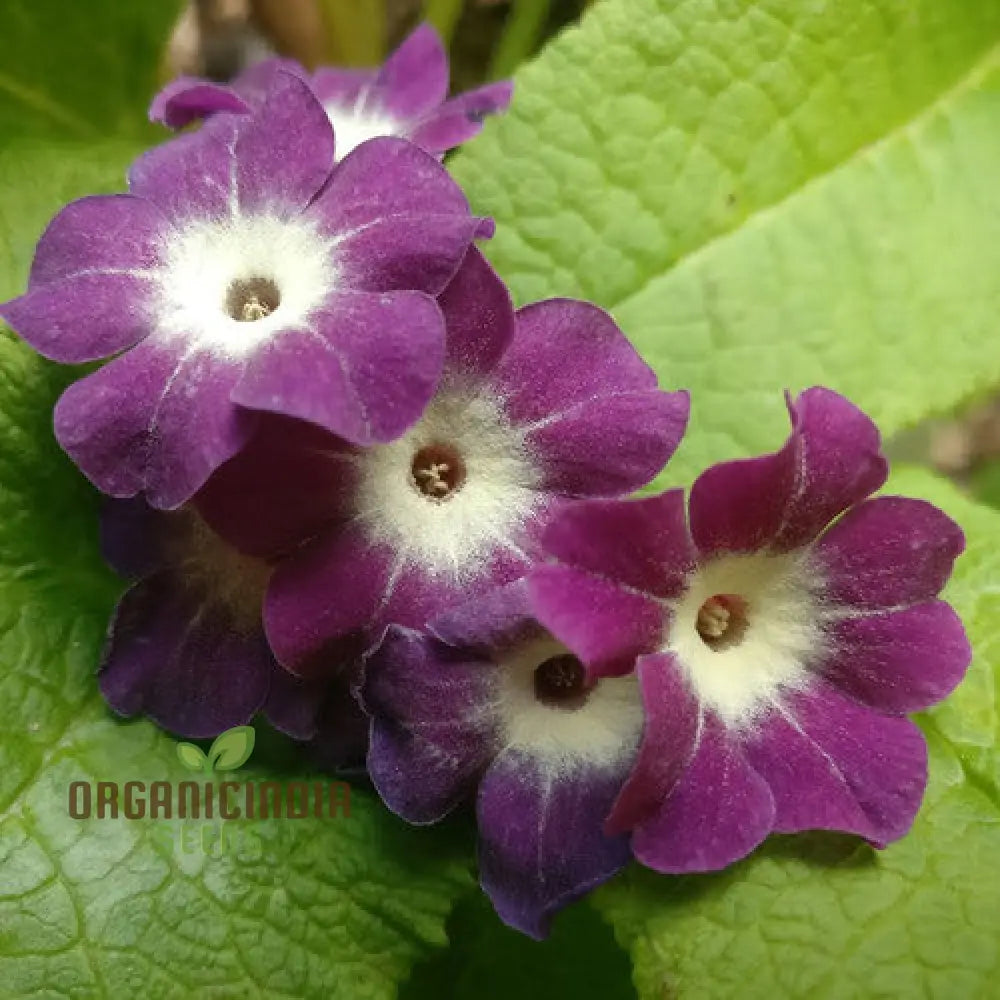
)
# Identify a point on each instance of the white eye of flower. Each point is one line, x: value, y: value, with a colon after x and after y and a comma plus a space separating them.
x: 353, y: 126
x: 747, y: 628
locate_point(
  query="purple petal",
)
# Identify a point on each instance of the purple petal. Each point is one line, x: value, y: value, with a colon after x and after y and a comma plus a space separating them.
x: 98, y: 235
x: 605, y: 624
x: 609, y: 446
x: 365, y: 369
x: 322, y: 601
x: 835, y: 765
x: 642, y: 544
x: 291, y: 481
x: 902, y: 661
x: 478, y: 318
x: 293, y: 705
x: 175, y: 655
x: 433, y: 728
x: 497, y: 619
x: 254, y: 83
x: 541, y: 843
x: 669, y: 740
x: 414, y: 78
x: 188, y: 99
x: 461, y: 118
x: 341, y: 740
x: 153, y: 420
x: 136, y: 539
x: 889, y: 552
x: 341, y: 87
x: 781, y: 501
x: 565, y: 353
x: 719, y: 811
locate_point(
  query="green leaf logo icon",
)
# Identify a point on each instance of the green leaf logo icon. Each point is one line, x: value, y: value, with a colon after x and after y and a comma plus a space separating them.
x: 191, y: 757
x: 232, y: 748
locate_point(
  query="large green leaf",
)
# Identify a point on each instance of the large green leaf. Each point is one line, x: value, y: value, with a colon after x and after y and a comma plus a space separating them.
x: 80, y: 69
x: 766, y: 193
x: 822, y: 916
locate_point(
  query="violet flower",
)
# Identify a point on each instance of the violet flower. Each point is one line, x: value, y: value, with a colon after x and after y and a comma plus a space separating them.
x: 492, y: 707
x: 783, y: 631
x: 406, y: 97
x: 244, y: 270
x: 548, y: 405
x: 186, y: 644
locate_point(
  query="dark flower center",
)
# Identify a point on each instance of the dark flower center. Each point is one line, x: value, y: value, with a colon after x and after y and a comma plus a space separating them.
x: 561, y: 682
x: 438, y: 471
x: 722, y: 621
x: 253, y: 299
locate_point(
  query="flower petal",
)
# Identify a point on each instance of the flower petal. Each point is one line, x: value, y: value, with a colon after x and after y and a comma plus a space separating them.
x: 461, y: 118
x: 414, y: 78
x: 153, y: 420
x: 136, y: 539
x: 609, y: 446
x: 341, y: 87
x: 478, y: 316
x: 606, y: 625
x: 84, y: 317
x: 541, y: 843
x: 497, y: 619
x: 669, y: 740
x: 902, y: 661
x: 433, y: 729
x: 564, y: 353
x: 293, y: 705
x: 189, y: 99
x: 175, y: 656
x: 642, y: 544
x: 784, y: 500
x: 365, y: 370
x: 719, y: 811
x: 835, y: 765
x: 889, y: 552
x: 341, y: 740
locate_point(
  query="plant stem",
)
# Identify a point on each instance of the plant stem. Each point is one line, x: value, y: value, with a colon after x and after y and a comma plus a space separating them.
x: 522, y: 32
x: 356, y: 29
x: 444, y: 15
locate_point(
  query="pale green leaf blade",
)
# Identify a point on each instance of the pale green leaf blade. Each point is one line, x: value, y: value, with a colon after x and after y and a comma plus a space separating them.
x: 823, y: 916
x: 766, y: 194
x: 232, y: 748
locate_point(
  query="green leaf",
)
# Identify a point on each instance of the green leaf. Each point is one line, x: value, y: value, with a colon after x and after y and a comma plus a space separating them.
x: 192, y: 757
x: 80, y: 69
x: 823, y: 916
x: 232, y: 748
x: 766, y: 193
x: 94, y: 907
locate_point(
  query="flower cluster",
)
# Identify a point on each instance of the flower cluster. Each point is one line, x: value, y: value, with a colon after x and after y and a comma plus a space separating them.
x: 356, y: 491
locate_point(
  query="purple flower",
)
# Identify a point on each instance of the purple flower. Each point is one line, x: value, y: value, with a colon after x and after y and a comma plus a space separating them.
x: 491, y: 706
x: 186, y: 645
x: 548, y: 405
x: 405, y: 98
x: 778, y: 653
x: 244, y: 270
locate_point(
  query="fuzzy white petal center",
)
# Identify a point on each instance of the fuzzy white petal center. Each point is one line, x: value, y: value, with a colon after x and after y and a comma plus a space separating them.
x: 355, y: 125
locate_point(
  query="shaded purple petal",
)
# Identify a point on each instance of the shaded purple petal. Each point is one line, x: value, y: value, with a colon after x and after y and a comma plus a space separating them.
x: 176, y: 656
x: 188, y: 99
x: 478, y: 316
x: 643, y: 544
x: 414, y: 78
x: 153, y: 420
x: 341, y: 87
x: 461, y: 118
x: 322, y: 600
x: 609, y: 446
x: 564, y: 353
x: 902, y: 661
x: 83, y: 317
x: 541, y: 843
x: 719, y: 811
x: 497, y: 619
x: 669, y: 739
x: 137, y: 539
x: 365, y: 369
x: 294, y: 705
x: 606, y: 625
x: 835, y: 765
x: 341, y: 740
x: 888, y: 552
x: 434, y: 730
x: 255, y: 81
x: 101, y: 233
x: 831, y: 460
x: 291, y: 481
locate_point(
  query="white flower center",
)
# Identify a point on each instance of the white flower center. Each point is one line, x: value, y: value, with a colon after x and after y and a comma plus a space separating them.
x: 454, y: 489
x: 748, y: 628
x: 353, y: 126
x: 548, y: 709
x: 231, y: 284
